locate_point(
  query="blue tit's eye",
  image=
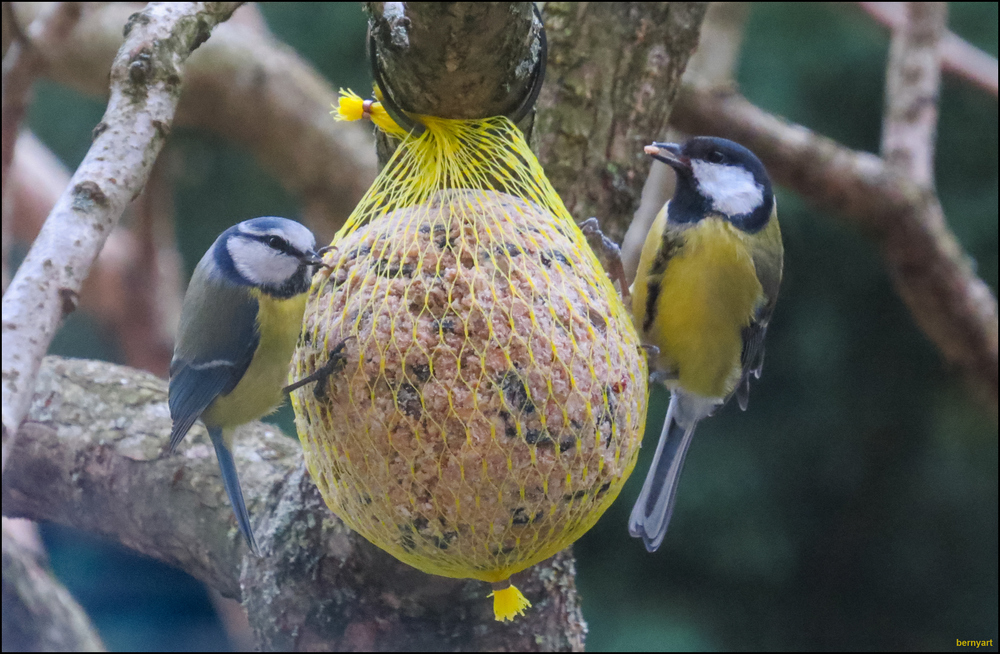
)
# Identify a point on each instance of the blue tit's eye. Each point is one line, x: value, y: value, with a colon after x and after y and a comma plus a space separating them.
x: 277, y: 243
x: 716, y: 157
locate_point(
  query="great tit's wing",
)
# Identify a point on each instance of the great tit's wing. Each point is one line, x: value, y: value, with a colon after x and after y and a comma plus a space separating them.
x: 768, y: 258
x: 216, y: 341
x: 752, y: 359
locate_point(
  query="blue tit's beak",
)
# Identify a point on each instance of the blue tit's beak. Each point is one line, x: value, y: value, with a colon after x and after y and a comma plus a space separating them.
x: 312, y: 258
x: 670, y: 154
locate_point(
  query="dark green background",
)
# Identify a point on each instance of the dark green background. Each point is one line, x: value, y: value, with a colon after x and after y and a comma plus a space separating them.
x: 853, y: 506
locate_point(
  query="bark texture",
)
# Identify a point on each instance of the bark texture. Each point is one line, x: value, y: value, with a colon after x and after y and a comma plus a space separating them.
x: 91, y: 457
x: 456, y: 59
x: 614, y: 70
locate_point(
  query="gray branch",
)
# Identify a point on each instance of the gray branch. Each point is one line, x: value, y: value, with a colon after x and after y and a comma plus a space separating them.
x: 145, y: 87
x: 39, y: 614
x: 91, y: 458
x: 252, y: 90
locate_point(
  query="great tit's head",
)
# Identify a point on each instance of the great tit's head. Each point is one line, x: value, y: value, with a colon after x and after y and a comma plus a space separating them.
x: 275, y: 255
x: 716, y: 176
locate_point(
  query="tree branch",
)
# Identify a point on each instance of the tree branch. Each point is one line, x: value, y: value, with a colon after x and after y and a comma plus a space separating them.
x: 253, y: 91
x: 134, y: 288
x: 91, y: 459
x: 39, y: 614
x: 456, y: 59
x: 614, y: 70
x: 22, y: 63
x: 958, y: 56
x: 145, y: 87
x: 913, y: 81
x: 932, y: 274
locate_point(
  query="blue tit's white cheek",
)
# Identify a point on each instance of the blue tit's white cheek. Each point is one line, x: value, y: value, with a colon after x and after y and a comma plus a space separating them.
x: 259, y: 264
x: 732, y: 189
x: 297, y: 235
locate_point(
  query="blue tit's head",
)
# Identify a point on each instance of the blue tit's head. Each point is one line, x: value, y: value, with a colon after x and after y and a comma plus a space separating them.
x: 275, y: 255
x: 717, y: 177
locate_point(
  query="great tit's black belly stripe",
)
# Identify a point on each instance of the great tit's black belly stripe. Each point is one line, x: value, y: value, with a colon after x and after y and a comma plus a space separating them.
x: 652, y: 294
x: 668, y: 248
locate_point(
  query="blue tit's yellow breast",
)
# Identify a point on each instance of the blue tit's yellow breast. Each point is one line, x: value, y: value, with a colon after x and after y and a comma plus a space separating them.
x: 707, y: 294
x: 259, y: 391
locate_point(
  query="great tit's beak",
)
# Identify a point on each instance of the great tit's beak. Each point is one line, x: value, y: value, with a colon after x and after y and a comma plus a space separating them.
x: 670, y: 154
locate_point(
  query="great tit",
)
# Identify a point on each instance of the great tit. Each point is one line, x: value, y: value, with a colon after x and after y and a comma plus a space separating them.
x: 705, y: 290
x: 240, y: 320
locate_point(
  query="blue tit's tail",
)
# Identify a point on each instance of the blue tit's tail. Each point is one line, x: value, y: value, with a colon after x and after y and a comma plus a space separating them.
x: 651, y: 513
x: 232, y: 482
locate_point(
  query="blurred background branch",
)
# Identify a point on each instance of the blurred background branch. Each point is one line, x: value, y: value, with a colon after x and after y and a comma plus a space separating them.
x: 145, y: 80
x: 248, y: 88
x: 39, y: 613
x: 958, y: 56
x: 24, y: 60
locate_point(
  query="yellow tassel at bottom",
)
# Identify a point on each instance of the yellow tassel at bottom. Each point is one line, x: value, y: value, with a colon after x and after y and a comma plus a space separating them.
x: 508, y: 602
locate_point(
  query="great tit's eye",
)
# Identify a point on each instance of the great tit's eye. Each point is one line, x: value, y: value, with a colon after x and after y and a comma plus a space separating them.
x: 715, y: 157
x: 276, y: 242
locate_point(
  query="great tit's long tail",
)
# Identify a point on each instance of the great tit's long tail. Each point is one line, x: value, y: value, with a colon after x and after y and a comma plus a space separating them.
x: 651, y: 513
x: 232, y: 482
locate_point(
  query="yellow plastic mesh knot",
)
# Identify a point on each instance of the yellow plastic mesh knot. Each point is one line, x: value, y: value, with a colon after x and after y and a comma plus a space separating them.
x: 351, y: 106
x: 490, y: 393
x: 508, y: 602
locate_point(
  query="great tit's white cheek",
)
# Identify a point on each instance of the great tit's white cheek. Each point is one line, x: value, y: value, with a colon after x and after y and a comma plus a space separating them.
x: 732, y: 189
x: 260, y: 264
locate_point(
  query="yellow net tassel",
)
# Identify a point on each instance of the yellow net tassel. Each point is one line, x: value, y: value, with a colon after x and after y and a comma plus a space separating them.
x: 352, y: 107
x: 508, y: 602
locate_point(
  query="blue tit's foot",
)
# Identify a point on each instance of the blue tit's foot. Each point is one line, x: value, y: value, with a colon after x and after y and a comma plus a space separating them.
x: 334, y: 364
x: 616, y: 270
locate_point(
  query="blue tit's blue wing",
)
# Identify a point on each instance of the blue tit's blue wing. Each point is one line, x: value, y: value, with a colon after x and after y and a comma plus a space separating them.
x: 216, y: 341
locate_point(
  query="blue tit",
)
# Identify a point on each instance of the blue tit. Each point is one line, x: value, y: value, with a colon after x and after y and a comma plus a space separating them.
x: 239, y: 324
x: 704, y: 293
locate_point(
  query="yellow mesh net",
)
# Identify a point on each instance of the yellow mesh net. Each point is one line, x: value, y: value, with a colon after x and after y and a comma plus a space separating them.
x: 489, y: 395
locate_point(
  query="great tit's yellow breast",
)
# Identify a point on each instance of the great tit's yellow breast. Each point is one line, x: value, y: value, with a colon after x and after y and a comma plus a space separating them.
x: 707, y: 294
x: 646, y: 275
x: 259, y: 391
